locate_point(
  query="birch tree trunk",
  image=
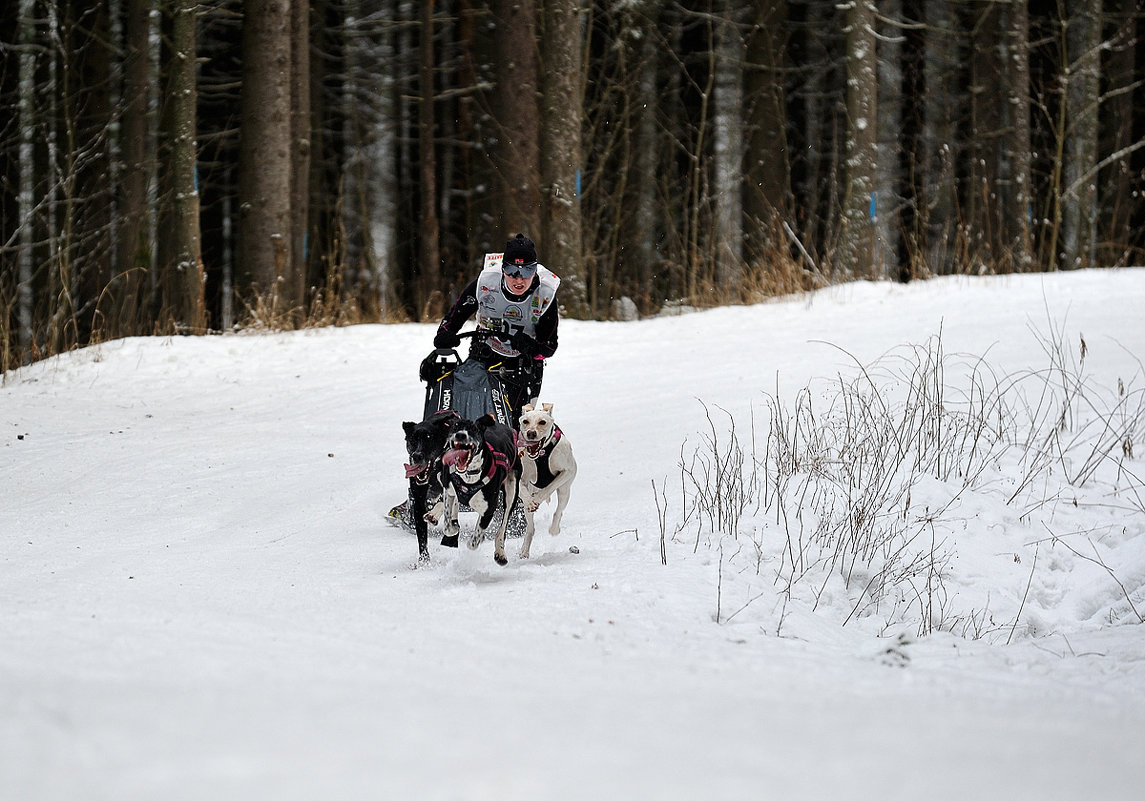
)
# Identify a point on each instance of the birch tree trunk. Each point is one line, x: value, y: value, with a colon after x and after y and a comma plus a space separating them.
x: 727, y: 149
x: 857, y: 236
x: 1019, y: 150
x: 26, y: 201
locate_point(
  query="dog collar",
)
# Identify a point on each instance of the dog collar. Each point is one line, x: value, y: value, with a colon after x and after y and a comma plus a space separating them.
x: 551, y: 442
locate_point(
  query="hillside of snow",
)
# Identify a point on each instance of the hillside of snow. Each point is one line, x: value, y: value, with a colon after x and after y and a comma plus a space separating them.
x: 876, y: 542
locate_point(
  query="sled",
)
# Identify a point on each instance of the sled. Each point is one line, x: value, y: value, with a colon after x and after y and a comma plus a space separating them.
x: 467, y: 387
x: 472, y: 390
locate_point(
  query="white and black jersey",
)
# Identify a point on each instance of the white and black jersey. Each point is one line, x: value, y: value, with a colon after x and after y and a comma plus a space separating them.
x: 504, y: 314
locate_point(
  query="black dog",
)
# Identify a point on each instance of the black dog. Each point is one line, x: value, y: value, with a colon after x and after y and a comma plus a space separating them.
x: 479, y: 462
x: 425, y: 444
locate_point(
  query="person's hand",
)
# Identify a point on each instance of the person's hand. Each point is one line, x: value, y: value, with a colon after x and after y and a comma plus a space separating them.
x: 524, y: 343
x: 446, y: 339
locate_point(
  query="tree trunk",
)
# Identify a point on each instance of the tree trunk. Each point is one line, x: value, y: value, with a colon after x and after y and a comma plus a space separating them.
x: 857, y: 236
x: 25, y: 263
x: 1079, y: 195
x: 647, y: 214
x: 295, y: 288
x: 767, y: 201
x: 86, y: 253
x: 180, y: 260
x: 133, y: 259
x: 265, y: 155
x: 561, y: 160
x: 937, y: 140
x: 728, y: 144
x: 889, y: 173
x: 428, y: 302
x: 1018, y: 151
x: 518, y: 119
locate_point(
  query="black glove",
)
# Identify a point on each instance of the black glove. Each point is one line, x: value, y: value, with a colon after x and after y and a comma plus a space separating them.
x: 524, y: 343
x: 446, y: 339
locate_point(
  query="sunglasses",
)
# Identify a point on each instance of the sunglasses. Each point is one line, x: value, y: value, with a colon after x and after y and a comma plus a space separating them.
x: 519, y: 270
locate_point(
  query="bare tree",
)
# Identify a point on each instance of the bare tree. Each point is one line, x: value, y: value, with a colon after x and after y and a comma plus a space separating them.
x: 136, y: 222
x: 84, y: 268
x: 180, y: 259
x: 430, y: 262
x: 728, y: 147
x: 889, y: 178
x: 1018, y: 153
x: 1079, y: 191
x: 518, y: 116
x: 265, y: 166
x: 855, y: 252
x: 301, y: 134
x: 767, y: 203
x: 561, y: 159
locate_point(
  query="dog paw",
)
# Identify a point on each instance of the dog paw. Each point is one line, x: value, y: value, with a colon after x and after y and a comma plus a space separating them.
x: 474, y: 542
x: 449, y: 542
x: 430, y: 518
x: 533, y: 506
x: 523, y: 554
x: 500, y: 559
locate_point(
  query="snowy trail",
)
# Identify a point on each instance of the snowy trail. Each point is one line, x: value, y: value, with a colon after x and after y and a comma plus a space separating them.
x: 200, y: 597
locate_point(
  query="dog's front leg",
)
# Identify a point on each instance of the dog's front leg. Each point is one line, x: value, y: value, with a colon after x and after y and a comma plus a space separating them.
x: 531, y: 499
x: 561, y: 487
x: 452, y: 528
x: 509, y: 486
x: 562, y: 502
x: 529, y: 507
x: 418, y: 494
x: 480, y: 504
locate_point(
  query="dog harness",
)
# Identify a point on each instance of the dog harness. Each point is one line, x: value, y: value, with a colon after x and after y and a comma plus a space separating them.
x: 545, y: 475
x: 499, y: 466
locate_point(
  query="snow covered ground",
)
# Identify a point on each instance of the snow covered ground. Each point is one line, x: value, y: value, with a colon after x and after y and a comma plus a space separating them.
x: 200, y: 597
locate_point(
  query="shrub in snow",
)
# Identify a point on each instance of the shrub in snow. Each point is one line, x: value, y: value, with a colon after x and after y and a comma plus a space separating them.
x: 926, y: 491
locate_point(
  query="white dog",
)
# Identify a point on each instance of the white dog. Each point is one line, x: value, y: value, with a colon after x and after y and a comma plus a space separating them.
x: 547, y: 466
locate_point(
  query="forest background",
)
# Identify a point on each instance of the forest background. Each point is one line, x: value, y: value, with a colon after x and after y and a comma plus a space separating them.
x: 173, y: 166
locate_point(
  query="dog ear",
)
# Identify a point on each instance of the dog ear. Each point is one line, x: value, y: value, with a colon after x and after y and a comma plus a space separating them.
x: 486, y: 421
x: 408, y: 427
x: 528, y: 407
x: 548, y: 407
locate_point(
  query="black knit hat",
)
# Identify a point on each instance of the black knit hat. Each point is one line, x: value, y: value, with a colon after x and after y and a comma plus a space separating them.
x: 519, y: 252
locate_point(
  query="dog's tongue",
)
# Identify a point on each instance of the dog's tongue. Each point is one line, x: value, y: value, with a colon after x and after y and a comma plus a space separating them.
x: 414, y: 470
x: 455, y: 455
